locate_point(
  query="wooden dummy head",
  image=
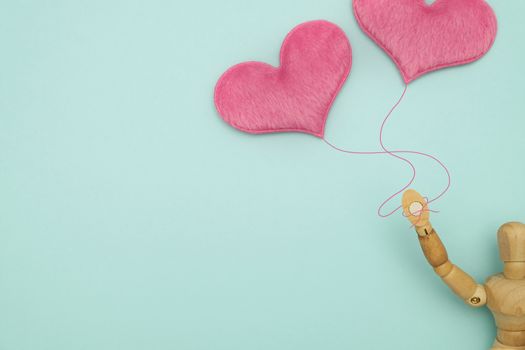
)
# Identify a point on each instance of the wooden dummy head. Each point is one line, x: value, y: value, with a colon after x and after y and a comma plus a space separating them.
x: 511, y: 241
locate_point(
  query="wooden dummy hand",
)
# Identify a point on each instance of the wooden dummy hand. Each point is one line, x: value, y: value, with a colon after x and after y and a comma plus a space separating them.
x: 415, y: 209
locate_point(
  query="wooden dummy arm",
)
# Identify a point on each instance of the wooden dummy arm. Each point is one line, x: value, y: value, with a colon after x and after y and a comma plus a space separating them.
x: 462, y: 284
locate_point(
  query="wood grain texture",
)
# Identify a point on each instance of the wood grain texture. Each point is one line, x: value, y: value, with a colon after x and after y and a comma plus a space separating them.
x: 503, y: 294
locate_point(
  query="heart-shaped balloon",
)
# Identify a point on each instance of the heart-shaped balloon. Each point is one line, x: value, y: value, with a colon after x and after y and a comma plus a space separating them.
x: 423, y: 37
x: 256, y: 97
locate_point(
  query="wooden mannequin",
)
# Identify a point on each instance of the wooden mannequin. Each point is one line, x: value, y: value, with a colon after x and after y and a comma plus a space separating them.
x: 503, y: 294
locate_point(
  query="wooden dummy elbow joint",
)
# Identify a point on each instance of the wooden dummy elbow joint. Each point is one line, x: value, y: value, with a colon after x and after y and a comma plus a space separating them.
x: 456, y: 279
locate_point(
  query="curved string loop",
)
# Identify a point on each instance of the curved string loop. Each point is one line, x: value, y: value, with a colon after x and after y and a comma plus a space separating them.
x: 394, y: 153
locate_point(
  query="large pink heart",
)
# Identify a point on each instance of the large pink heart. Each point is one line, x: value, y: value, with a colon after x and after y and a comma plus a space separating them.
x: 421, y: 38
x: 255, y: 97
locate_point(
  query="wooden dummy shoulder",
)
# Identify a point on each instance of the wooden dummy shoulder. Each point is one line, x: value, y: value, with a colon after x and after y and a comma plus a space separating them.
x: 505, y: 296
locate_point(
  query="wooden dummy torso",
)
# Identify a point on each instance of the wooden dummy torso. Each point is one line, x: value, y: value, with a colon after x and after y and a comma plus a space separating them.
x: 506, y: 300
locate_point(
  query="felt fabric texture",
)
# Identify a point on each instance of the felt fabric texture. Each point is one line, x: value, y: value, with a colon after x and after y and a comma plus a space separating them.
x: 421, y: 38
x: 315, y: 60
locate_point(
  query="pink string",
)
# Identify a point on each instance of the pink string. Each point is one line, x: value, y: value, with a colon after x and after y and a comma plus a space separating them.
x: 394, y: 154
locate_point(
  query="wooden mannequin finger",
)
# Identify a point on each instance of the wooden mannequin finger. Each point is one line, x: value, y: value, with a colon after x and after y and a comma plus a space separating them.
x: 415, y: 208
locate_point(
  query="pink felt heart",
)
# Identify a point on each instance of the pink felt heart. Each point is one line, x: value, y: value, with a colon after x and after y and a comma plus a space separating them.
x: 421, y: 38
x: 255, y: 97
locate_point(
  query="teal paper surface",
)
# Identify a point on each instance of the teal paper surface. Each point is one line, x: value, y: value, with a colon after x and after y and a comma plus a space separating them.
x: 132, y: 217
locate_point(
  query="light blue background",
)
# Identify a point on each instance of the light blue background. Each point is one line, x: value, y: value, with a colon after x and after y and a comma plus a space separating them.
x: 133, y: 217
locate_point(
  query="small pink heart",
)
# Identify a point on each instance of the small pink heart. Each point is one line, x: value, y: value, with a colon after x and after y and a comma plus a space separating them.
x: 421, y: 38
x: 255, y: 97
